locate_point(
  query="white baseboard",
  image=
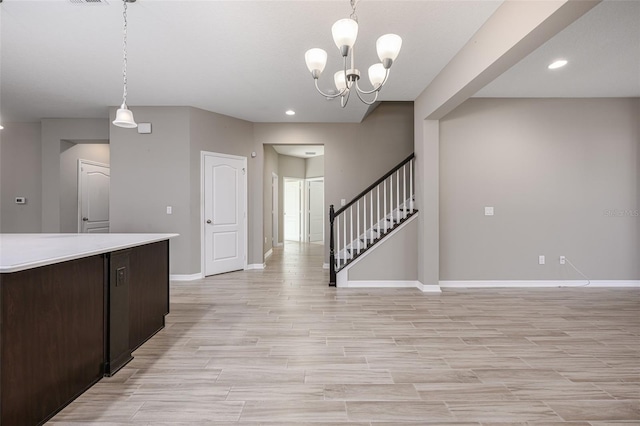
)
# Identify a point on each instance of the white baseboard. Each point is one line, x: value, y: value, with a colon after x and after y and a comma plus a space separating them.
x: 391, y: 284
x: 268, y: 254
x: 540, y: 284
x: 428, y: 288
x: 184, y: 277
x: 325, y: 266
x: 255, y: 266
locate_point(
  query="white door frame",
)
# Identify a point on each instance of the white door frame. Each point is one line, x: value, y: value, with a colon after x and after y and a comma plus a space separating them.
x: 204, y: 154
x: 80, y: 163
x: 307, y: 229
x: 275, y: 182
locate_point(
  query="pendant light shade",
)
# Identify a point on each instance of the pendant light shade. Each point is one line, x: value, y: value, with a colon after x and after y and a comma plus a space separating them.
x: 388, y: 47
x: 377, y: 73
x: 124, y: 118
x: 340, y: 80
x: 345, y: 32
x: 316, y: 60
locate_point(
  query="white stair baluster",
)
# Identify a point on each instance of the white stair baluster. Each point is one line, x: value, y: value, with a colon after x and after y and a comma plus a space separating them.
x: 371, y: 215
x: 364, y: 218
x: 358, y: 225
x: 404, y: 191
x: 351, y: 228
x: 411, y: 185
x: 337, y: 249
x: 397, y: 218
x: 385, y: 206
x: 344, y: 235
x: 390, y: 201
x: 378, y: 222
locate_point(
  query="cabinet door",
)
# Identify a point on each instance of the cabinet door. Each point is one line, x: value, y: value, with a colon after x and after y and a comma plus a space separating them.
x: 148, y: 291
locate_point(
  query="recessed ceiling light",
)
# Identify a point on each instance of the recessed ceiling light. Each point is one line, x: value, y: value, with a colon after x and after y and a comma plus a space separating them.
x: 557, y: 64
x: 290, y: 112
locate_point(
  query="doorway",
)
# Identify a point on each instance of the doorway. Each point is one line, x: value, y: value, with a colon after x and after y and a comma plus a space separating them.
x: 293, y: 209
x: 224, y: 213
x: 315, y: 210
x: 93, y: 197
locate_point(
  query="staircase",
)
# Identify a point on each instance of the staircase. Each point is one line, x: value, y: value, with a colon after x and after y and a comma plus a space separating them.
x: 371, y: 216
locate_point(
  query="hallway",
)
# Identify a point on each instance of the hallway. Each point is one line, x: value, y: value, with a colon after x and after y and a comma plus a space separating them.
x: 279, y: 346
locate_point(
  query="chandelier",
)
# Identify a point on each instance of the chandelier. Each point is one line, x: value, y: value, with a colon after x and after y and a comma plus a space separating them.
x: 124, y: 116
x: 344, y: 34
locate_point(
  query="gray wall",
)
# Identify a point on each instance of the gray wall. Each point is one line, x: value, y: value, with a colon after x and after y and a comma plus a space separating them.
x: 55, y: 130
x: 150, y: 172
x: 70, y: 153
x: 20, y: 175
x: 395, y: 260
x: 355, y: 154
x: 553, y: 169
x: 226, y: 135
x: 314, y: 167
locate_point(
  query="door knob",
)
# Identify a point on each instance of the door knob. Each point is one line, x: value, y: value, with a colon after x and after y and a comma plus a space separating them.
x: 208, y: 220
x: 85, y: 219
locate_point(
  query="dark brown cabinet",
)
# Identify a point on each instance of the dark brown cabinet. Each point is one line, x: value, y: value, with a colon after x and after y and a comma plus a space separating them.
x: 64, y: 326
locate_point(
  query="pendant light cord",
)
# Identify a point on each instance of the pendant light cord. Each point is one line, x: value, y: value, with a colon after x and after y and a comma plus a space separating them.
x: 124, y: 54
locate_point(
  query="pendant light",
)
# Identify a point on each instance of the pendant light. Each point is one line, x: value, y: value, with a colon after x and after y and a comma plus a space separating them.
x: 124, y: 116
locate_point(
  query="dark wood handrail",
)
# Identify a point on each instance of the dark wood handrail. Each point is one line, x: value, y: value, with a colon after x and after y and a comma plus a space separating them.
x: 373, y: 185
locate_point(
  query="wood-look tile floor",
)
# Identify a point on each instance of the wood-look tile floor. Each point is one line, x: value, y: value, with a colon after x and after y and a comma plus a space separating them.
x: 280, y: 347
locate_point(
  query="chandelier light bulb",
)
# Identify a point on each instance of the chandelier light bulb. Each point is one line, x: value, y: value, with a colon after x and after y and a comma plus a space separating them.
x: 388, y: 47
x: 377, y: 74
x: 316, y: 60
x: 345, y: 32
x: 340, y: 79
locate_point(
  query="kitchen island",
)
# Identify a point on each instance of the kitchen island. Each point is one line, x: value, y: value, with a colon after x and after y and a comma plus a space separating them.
x: 73, y: 307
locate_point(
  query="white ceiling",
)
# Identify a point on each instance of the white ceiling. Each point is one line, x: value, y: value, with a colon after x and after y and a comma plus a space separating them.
x: 245, y: 58
x: 603, y: 50
x: 300, y: 151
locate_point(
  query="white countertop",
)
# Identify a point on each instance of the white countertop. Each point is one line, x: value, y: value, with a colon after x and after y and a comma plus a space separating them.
x: 25, y: 251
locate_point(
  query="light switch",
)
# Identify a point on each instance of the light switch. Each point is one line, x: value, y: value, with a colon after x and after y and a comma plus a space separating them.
x: 488, y: 211
x: 169, y: 210
x: 343, y: 202
x: 541, y: 260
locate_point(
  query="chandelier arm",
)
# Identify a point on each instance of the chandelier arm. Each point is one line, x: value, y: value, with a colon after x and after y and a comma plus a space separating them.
x: 368, y: 92
x: 365, y: 101
x: 343, y: 101
x: 327, y: 95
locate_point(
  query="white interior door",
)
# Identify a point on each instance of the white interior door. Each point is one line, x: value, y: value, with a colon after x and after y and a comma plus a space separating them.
x: 274, y: 209
x: 93, y: 197
x: 316, y: 210
x: 224, y: 213
x: 292, y: 209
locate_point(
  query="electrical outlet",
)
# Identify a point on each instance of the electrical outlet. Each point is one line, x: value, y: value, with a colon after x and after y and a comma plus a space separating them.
x: 563, y: 260
x: 541, y: 259
x: 169, y: 210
